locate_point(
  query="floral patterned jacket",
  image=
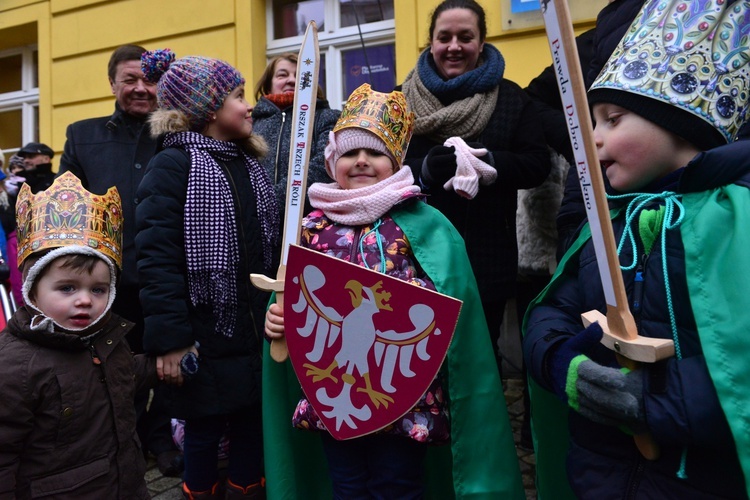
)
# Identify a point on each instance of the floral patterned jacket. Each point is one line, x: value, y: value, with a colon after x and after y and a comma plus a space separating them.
x: 428, y: 421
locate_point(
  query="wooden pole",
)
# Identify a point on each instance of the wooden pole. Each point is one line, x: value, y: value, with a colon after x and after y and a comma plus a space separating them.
x: 620, y: 332
x: 305, y: 99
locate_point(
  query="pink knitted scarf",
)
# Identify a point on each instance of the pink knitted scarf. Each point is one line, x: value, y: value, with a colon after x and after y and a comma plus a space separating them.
x: 355, y: 207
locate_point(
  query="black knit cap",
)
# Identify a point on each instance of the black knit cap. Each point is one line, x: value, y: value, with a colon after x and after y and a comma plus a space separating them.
x: 682, y: 123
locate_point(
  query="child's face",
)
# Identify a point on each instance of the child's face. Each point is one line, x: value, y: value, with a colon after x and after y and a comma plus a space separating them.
x: 72, y: 298
x: 634, y: 151
x: 234, y: 118
x: 362, y: 167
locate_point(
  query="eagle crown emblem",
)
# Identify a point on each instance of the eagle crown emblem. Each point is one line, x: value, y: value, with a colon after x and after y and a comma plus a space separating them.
x: 379, y: 297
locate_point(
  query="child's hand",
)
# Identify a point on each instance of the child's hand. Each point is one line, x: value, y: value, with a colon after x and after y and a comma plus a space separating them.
x: 563, y: 378
x: 168, y: 366
x: 275, y: 322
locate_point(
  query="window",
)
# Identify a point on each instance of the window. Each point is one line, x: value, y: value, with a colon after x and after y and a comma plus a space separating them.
x: 19, y: 98
x: 291, y: 18
x: 356, y: 40
x: 355, y: 12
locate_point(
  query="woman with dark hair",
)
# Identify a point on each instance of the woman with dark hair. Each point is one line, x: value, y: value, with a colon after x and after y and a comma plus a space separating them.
x: 457, y: 91
x: 272, y: 120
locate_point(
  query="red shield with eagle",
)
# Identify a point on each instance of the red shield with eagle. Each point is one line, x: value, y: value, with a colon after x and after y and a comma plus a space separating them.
x: 365, y: 346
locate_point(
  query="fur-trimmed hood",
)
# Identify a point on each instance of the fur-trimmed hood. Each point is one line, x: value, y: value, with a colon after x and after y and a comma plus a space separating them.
x: 165, y: 121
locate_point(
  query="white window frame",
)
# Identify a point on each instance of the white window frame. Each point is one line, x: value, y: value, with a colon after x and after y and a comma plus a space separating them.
x: 332, y: 42
x: 27, y: 98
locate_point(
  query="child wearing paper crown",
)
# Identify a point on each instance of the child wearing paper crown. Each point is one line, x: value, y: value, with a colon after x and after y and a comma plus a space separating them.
x: 67, y: 375
x: 667, y: 107
x: 374, y: 205
x: 206, y: 219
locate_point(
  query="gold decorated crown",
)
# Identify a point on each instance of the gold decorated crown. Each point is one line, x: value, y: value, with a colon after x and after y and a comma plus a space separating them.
x: 690, y: 54
x: 65, y: 215
x: 385, y: 115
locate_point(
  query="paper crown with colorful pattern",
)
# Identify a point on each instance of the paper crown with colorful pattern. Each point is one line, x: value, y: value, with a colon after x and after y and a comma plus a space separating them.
x: 385, y: 115
x: 66, y: 214
x: 691, y: 55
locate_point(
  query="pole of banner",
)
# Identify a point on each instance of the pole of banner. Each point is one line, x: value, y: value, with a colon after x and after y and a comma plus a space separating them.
x: 305, y: 96
x: 620, y: 332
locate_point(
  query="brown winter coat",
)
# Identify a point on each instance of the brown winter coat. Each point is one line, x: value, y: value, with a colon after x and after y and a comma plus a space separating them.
x: 67, y: 425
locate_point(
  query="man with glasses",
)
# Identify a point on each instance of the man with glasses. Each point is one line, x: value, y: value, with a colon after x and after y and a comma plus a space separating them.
x: 114, y: 151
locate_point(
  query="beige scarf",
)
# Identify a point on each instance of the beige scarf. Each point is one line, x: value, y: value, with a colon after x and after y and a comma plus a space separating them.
x: 465, y: 118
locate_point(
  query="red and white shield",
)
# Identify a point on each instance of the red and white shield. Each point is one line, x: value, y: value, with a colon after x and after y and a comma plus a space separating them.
x: 365, y: 346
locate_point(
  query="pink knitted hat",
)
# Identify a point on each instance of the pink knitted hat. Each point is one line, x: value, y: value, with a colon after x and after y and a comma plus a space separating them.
x: 348, y: 139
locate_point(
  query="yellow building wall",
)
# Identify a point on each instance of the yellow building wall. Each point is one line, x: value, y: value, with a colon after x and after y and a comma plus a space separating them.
x: 87, y: 31
x: 76, y: 37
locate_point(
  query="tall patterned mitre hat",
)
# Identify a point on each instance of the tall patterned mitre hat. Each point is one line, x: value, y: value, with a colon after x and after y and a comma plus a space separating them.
x: 67, y: 215
x: 690, y: 59
x: 385, y: 115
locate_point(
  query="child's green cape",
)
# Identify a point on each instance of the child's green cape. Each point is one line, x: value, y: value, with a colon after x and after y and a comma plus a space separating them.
x: 481, y: 460
x: 716, y: 237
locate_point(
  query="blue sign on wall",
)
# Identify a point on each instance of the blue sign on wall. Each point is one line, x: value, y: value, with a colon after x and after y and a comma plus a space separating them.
x: 377, y: 69
x: 517, y: 6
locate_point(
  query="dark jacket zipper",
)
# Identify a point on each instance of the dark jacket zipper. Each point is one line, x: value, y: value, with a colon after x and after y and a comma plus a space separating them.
x: 97, y: 361
x: 355, y: 247
x: 635, y: 479
x: 638, y: 286
x: 241, y: 228
x: 638, y: 289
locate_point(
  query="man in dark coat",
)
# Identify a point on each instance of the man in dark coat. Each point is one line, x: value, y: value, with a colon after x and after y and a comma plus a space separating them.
x: 114, y: 151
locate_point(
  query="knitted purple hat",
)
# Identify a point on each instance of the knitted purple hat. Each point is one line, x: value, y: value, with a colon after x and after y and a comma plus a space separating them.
x: 16, y: 161
x: 197, y: 86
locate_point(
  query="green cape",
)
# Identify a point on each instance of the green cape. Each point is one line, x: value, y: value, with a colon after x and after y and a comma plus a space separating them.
x: 716, y: 237
x: 481, y: 460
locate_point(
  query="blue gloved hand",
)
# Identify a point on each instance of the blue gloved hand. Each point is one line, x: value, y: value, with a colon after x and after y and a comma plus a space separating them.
x: 566, y: 358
